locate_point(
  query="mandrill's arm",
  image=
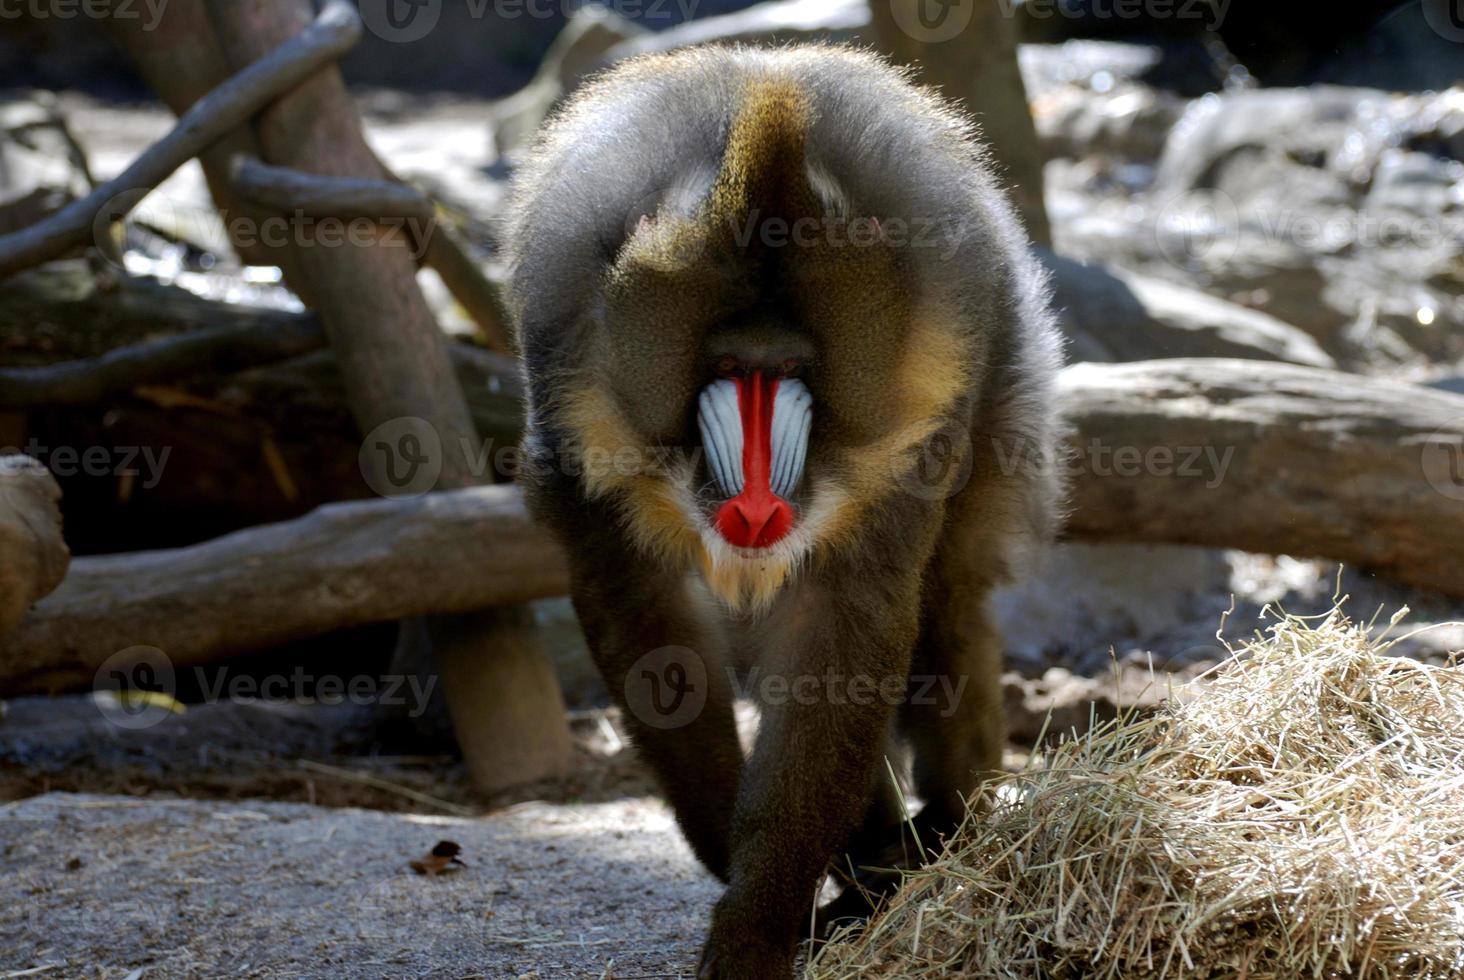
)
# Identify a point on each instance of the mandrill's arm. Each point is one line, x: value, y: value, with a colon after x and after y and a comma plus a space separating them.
x: 841, y: 641
x: 665, y: 668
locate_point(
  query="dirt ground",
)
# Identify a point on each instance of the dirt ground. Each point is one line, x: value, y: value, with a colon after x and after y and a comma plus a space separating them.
x: 102, y: 886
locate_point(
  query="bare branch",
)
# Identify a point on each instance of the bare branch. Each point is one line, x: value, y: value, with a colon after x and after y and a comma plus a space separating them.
x: 316, y: 196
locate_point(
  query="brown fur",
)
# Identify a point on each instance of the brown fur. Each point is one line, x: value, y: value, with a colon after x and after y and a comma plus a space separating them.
x: 642, y: 255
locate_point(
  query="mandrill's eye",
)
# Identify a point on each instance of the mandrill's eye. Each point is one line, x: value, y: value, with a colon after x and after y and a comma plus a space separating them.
x: 755, y: 432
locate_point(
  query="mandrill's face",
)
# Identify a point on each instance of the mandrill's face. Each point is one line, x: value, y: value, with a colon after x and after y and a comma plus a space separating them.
x: 754, y: 429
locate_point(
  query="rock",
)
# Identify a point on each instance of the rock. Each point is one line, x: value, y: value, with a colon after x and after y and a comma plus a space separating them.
x: 1137, y: 317
x: 1061, y: 704
x: 1085, y: 598
x: 1350, y: 132
x: 1453, y: 384
x: 1131, y: 122
x: 1278, y: 278
x: 1417, y: 183
x: 1097, y: 66
x: 33, y: 554
x: 1216, y: 130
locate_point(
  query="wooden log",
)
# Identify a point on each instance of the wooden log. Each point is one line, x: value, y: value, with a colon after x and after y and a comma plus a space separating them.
x: 296, y: 58
x: 438, y: 244
x: 1271, y: 458
x: 341, y: 565
x: 450, y: 256
x: 392, y: 358
x: 90, y: 344
x: 33, y: 554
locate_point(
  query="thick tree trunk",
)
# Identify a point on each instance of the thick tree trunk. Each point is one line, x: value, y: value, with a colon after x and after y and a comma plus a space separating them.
x: 969, y: 51
x: 397, y: 373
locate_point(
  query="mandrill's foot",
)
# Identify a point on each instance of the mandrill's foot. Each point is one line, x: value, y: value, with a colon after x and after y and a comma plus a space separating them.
x: 880, y: 870
x: 736, y: 950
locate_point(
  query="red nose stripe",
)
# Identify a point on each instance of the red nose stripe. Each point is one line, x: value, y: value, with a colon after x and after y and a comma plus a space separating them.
x: 756, y: 517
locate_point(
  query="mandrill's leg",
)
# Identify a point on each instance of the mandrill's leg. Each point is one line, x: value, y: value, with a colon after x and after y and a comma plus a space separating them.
x: 955, y: 719
x: 666, y: 670
x: 867, y: 869
x: 956, y: 729
x: 812, y: 775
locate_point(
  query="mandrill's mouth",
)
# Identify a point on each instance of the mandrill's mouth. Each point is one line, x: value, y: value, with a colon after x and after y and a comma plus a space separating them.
x: 755, y: 432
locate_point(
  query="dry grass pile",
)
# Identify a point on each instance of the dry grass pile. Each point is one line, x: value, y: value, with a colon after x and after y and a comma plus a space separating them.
x: 1302, y: 816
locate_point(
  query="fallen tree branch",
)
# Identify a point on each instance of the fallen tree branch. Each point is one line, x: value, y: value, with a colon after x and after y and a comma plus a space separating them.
x: 449, y: 256
x: 332, y: 34
x: 290, y: 191
x: 216, y: 350
x: 341, y: 565
x: 452, y: 259
x: 1270, y: 458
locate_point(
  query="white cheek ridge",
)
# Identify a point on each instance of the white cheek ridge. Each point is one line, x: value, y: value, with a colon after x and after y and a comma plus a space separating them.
x: 720, y: 419
x: 792, y: 420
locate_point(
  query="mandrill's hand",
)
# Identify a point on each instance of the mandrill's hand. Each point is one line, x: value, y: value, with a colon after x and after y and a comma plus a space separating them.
x: 737, y: 951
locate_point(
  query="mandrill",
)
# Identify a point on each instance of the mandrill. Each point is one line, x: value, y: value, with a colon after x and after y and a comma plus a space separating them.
x: 790, y: 367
